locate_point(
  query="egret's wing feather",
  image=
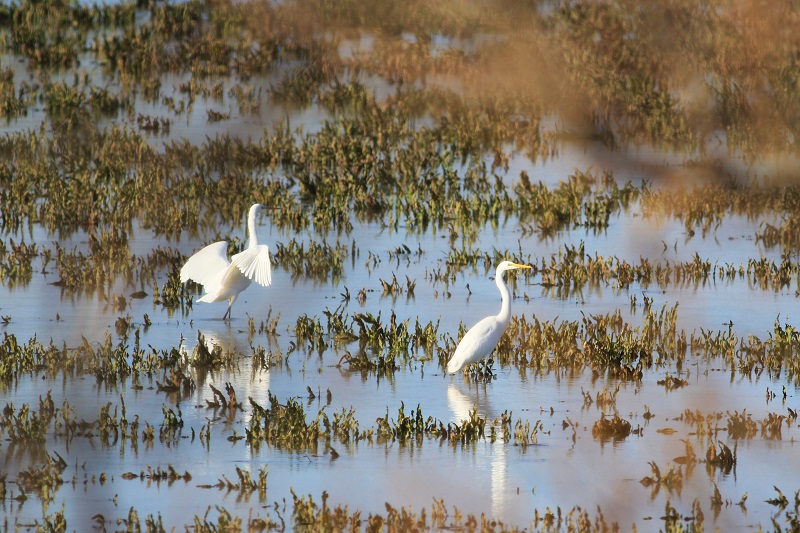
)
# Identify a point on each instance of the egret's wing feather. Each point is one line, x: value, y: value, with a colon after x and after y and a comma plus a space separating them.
x: 206, y: 264
x: 216, y: 284
x: 255, y: 264
x: 478, y: 342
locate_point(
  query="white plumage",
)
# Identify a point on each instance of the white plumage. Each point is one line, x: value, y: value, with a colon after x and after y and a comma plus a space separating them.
x: 482, y: 338
x: 223, y: 279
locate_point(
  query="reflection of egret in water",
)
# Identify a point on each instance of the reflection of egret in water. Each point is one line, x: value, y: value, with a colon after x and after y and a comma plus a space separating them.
x: 499, y: 468
x: 460, y: 404
x: 248, y: 381
x: 226, y: 340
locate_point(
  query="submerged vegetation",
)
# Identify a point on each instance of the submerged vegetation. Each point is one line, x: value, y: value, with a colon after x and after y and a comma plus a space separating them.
x: 128, y: 139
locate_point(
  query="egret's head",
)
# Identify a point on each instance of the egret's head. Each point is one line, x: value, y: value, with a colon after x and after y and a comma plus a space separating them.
x: 257, y: 209
x: 509, y: 265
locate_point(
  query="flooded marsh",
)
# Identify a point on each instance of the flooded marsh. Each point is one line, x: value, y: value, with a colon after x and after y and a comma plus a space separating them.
x: 641, y: 159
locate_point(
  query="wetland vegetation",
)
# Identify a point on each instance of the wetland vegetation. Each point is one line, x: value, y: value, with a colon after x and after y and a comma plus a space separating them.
x: 642, y: 158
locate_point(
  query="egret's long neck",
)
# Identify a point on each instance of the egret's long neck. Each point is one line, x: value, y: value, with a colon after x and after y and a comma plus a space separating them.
x: 505, y: 309
x: 251, y: 229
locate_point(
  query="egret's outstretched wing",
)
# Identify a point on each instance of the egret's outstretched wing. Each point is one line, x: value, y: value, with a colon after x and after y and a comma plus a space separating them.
x: 206, y: 264
x: 255, y: 264
x: 215, y: 285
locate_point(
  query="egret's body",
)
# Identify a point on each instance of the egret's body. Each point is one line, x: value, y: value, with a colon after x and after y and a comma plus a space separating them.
x: 224, y: 279
x: 482, y: 338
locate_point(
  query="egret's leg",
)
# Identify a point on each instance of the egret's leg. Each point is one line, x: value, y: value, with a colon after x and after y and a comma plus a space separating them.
x: 230, y: 306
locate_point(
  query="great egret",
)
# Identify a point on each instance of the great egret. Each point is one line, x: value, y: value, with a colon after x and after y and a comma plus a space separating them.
x: 482, y: 338
x: 224, y: 280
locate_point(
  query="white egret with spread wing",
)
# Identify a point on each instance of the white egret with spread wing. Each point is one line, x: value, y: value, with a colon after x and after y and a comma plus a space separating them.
x: 482, y: 338
x: 224, y: 279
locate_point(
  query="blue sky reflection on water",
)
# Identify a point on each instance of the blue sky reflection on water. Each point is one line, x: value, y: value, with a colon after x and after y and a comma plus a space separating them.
x: 495, y: 478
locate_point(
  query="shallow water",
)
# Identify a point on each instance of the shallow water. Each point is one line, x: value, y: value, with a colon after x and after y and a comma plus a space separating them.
x: 499, y: 479
x: 566, y: 466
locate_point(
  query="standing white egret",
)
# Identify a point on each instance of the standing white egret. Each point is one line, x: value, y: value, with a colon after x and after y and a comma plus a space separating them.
x: 483, y: 337
x: 223, y: 279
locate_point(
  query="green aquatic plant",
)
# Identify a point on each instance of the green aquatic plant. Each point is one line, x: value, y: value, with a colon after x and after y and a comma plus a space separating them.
x: 245, y: 485
x: 14, y: 359
x: 582, y: 200
x: 610, y: 343
x: 16, y: 262
x: 719, y: 456
x: 172, y: 421
x: 381, y: 346
x: 611, y: 428
x: 671, y: 478
x: 606, y: 398
x: 363, y: 362
x: 284, y: 426
x: 320, y: 262
x: 176, y: 381
x: 524, y: 434
x: 158, y: 474
x: 24, y: 426
x: 230, y: 403
x: 15, y: 103
x: 310, y: 330
x: 308, y: 516
x: 43, y: 480
x: 675, y: 522
x: 207, y: 355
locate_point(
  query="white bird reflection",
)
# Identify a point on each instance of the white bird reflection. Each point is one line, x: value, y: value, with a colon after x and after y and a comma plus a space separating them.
x: 226, y: 340
x: 460, y: 405
x: 247, y: 382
